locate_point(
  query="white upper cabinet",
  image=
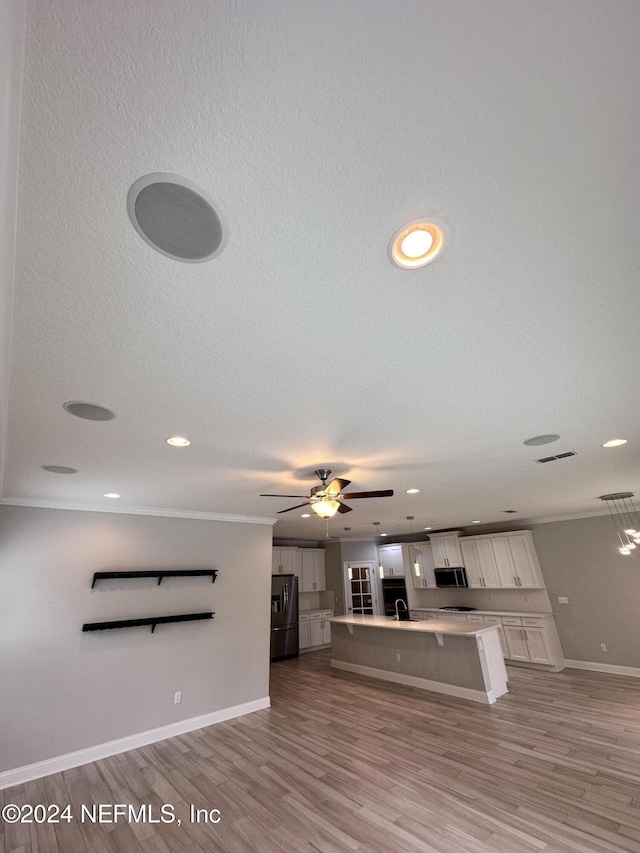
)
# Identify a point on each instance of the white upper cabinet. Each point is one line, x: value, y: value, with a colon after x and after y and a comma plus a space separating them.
x: 480, y: 563
x: 506, y: 560
x: 445, y: 548
x: 313, y: 570
x: 419, y: 554
x: 286, y: 561
x: 390, y: 557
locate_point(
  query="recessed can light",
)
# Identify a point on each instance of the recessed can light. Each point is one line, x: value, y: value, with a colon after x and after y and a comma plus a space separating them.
x: 112, y: 495
x: 416, y: 244
x: 615, y: 442
x: 427, y: 528
x: 178, y: 441
x: 477, y: 521
x: 412, y: 491
x: 537, y: 440
x: 384, y: 534
x: 306, y: 515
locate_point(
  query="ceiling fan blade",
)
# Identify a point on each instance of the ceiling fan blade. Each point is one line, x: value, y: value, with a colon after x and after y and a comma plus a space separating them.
x: 383, y: 493
x: 336, y: 486
x: 344, y: 508
x: 291, y: 507
x: 283, y: 496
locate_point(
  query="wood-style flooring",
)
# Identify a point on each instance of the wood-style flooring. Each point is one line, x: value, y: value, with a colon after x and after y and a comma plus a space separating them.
x: 341, y: 763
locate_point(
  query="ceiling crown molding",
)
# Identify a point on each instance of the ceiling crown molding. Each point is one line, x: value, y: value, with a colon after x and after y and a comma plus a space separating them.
x: 137, y: 510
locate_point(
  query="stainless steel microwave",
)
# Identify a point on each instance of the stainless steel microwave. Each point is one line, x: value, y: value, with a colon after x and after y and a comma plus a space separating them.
x: 451, y: 577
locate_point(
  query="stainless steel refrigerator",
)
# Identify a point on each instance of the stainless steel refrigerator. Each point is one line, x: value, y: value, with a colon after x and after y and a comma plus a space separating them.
x: 284, y: 617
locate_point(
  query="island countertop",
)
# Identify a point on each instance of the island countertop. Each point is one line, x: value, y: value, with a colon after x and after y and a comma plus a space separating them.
x: 459, y: 659
x: 431, y: 626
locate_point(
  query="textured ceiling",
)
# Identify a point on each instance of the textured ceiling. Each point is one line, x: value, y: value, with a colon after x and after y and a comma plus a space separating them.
x: 318, y: 129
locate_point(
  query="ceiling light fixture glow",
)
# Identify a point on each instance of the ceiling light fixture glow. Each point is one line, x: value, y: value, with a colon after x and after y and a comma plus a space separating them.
x: 112, y: 495
x: 412, y: 491
x: 416, y: 244
x: 325, y: 508
x: 615, y: 442
x: 306, y: 515
x: 625, y: 519
x: 178, y: 441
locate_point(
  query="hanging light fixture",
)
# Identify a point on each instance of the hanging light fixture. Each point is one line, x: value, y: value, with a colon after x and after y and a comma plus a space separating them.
x: 416, y: 564
x: 325, y: 508
x: 625, y: 519
x: 380, y: 566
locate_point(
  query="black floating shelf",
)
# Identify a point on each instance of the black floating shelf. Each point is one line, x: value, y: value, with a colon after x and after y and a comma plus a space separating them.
x: 159, y: 573
x: 152, y: 620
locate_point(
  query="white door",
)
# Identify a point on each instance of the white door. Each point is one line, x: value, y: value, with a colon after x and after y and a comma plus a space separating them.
x: 359, y: 589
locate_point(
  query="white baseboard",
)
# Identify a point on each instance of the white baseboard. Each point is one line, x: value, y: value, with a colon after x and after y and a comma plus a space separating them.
x: 103, y: 750
x: 632, y: 671
x: 415, y: 681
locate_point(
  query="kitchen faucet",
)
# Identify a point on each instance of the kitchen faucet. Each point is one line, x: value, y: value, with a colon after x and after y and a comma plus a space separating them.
x: 400, y: 601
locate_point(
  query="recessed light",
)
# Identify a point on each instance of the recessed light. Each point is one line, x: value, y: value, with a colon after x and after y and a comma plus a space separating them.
x: 412, y: 491
x: 59, y: 469
x: 112, y: 495
x: 384, y: 534
x: 615, y: 442
x: 476, y: 522
x: 88, y: 411
x: 541, y: 439
x: 178, y: 441
x: 427, y: 528
x: 416, y: 244
x: 306, y: 515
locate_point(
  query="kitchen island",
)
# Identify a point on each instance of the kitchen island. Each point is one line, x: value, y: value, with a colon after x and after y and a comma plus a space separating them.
x: 458, y: 659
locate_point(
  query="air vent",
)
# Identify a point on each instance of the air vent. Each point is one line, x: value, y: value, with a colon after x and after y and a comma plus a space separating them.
x: 555, y: 458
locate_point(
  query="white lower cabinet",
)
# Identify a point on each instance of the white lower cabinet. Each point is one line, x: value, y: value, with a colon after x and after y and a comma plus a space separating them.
x: 314, y: 629
x: 304, y: 633
x: 530, y: 639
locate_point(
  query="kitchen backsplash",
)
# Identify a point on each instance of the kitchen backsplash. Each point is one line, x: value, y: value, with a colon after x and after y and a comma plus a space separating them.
x: 527, y: 601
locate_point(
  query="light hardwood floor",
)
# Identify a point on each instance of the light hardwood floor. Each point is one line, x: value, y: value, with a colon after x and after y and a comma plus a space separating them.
x: 341, y: 763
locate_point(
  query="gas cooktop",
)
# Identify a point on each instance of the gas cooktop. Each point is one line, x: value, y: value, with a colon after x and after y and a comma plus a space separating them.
x: 463, y: 609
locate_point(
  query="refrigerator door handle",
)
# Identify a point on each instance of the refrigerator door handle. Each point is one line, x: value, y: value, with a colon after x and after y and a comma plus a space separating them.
x: 285, y: 592
x: 284, y: 628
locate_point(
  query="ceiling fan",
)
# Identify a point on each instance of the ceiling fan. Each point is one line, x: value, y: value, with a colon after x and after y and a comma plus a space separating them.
x: 326, y: 500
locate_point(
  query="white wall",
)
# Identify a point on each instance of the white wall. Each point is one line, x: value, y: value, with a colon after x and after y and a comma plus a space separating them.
x: 65, y: 690
x: 12, y: 38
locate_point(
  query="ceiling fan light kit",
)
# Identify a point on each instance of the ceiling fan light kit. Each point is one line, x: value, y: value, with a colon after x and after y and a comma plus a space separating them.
x: 326, y: 500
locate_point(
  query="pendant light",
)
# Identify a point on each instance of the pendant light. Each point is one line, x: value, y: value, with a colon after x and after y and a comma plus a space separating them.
x: 380, y: 566
x: 416, y: 564
x: 625, y: 519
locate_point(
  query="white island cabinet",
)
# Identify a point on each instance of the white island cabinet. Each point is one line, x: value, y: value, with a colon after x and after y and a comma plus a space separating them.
x: 461, y: 659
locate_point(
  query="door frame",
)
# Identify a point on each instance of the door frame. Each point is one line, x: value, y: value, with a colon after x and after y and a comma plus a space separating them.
x: 346, y: 587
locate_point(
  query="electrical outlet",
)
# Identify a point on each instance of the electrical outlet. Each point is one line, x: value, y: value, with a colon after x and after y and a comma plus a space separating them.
x: 177, y: 697
x: 398, y: 656
x: 603, y: 647
x: 562, y: 599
